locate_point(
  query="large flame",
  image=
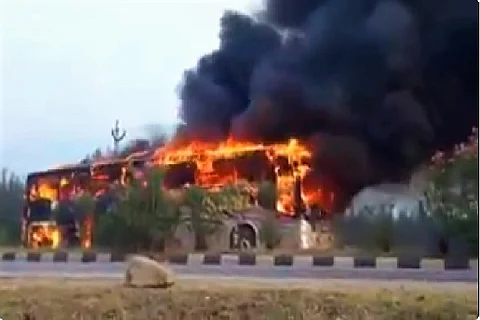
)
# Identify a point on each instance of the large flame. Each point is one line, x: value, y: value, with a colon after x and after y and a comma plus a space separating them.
x: 213, y: 165
x: 290, y: 162
x: 204, y: 156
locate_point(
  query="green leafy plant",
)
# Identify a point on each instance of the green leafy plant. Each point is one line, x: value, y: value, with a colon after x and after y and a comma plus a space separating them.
x: 144, y: 217
x: 270, y: 233
x: 11, y: 200
x: 203, y: 211
x: 201, y: 214
x: 452, y: 194
x: 267, y: 195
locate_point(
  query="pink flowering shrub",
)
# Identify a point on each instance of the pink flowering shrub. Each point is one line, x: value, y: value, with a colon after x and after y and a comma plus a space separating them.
x: 452, y: 194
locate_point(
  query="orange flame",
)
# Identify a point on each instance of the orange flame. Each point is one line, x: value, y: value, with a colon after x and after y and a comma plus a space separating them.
x: 205, y: 154
x: 87, y: 233
x: 45, y: 233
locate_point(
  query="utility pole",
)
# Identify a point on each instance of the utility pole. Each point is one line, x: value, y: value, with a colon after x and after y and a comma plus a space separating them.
x: 117, y: 135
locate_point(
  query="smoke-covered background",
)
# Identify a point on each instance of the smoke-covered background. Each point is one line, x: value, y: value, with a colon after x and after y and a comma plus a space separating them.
x: 374, y: 86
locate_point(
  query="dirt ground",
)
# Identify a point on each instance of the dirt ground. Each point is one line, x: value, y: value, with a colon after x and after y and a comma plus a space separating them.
x: 31, y: 299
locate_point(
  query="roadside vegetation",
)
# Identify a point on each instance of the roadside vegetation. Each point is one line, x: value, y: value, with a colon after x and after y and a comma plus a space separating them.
x: 446, y: 222
x: 11, y: 206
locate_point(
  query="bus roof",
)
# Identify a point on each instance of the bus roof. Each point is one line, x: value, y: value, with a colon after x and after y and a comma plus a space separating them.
x: 59, y: 171
x: 80, y: 168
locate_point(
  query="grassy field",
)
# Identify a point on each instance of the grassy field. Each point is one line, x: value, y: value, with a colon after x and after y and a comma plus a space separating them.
x: 240, y: 299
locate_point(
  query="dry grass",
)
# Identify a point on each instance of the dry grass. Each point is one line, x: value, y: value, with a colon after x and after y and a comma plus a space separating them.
x: 196, y: 300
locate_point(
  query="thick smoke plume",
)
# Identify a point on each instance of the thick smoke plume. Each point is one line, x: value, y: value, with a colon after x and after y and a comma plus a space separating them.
x: 374, y: 86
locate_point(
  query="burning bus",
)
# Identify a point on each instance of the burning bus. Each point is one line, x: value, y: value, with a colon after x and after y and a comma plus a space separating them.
x: 210, y: 166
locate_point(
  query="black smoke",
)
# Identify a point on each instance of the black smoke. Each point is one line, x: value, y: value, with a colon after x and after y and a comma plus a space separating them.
x: 374, y: 85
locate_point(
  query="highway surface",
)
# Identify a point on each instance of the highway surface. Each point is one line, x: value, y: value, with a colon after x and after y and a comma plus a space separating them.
x: 107, y: 270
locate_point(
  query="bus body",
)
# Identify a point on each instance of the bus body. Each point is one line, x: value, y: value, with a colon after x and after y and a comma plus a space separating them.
x: 51, y: 217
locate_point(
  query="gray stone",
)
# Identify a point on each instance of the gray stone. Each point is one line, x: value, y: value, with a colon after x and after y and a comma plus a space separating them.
x: 147, y: 273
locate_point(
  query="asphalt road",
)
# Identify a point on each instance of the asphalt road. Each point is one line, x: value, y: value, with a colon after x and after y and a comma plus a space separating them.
x: 18, y: 269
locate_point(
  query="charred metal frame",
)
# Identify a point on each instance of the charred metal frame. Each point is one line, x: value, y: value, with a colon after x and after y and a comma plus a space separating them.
x: 113, y: 171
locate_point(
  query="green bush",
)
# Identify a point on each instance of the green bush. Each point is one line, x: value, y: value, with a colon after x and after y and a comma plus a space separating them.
x: 452, y: 196
x: 199, y: 220
x: 11, y: 200
x: 371, y: 229
x: 270, y: 233
x: 203, y: 211
x: 142, y: 219
x: 9, y: 232
x: 267, y: 195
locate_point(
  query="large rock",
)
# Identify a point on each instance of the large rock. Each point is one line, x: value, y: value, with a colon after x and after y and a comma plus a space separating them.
x: 145, y: 272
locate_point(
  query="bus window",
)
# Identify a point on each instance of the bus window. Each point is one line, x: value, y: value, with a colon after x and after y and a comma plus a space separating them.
x: 41, y: 210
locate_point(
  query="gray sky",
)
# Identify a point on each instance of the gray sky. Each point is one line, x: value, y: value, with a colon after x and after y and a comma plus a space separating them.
x: 70, y: 68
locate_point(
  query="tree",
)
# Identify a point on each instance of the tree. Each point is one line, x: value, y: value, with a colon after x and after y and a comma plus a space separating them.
x: 160, y: 207
x: 371, y: 228
x: 267, y: 195
x: 84, y: 210
x: 452, y: 194
x: 270, y: 231
x: 203, y: 211
x: 230, y: 198
x: 11, y: 198
x: 84, y: 206
x: 199, y: 214
x: 144, y: 217
x: 97, y: 155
